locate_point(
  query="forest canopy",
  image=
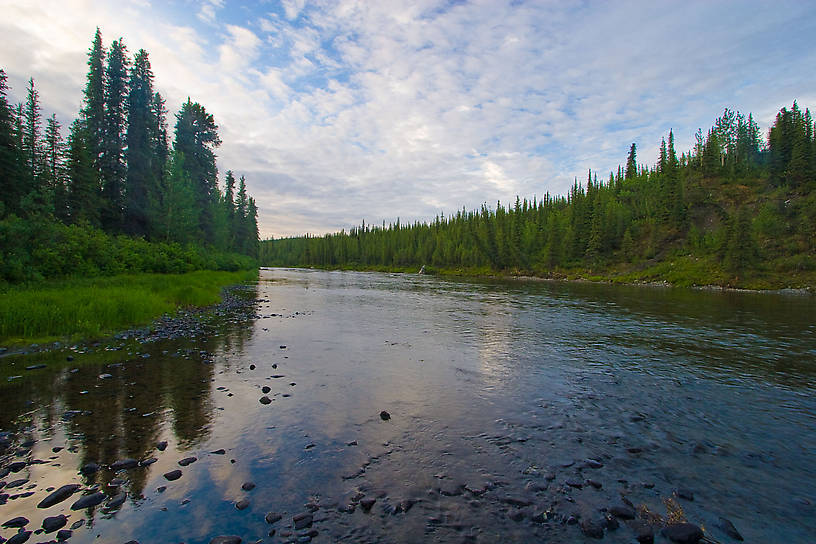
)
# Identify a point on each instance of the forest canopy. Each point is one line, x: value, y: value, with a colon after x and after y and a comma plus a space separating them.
x: 122, y: 181
x: 738, y: 205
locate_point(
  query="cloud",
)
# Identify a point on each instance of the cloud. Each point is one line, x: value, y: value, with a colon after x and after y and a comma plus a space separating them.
x: 344, y: 110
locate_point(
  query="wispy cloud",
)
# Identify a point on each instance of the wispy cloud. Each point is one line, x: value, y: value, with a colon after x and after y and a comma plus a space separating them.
x: 343, y: 110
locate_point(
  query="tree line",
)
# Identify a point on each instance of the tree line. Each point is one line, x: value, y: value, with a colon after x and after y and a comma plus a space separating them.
x: 118, y: 171
x: 736, y: 200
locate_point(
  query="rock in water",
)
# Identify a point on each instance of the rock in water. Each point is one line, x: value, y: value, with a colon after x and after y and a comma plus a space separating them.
x: 592, y: 528
x: 242, y: 504
x: 683, y: 533
x: 385, y: 416
x: 124, y: 464
x: 88, y: 501
x: 64, y: 535
x: 173, y: 475
x: 117, y: 501
x: 58, y: 496
x: 19, y: 538
x: 265, y: 389
x: 248, y: 486
x: 54, y: 523
x: 17, y: 522
x: 188, y: 461
x: 273, y: 517
x: 302, y: 521
x: 161, y: 446
x: 264, y: 400
x: 89, y: 468
x: 622, y: 511
x: 226, y: 540
x: 729, y: 529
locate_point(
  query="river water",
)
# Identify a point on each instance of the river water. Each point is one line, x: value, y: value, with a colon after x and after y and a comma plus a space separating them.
x: 519, y: 410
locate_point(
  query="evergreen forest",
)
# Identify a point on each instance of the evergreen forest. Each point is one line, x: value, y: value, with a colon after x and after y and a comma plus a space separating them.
x: 121, y: 193
x: 739, y: 209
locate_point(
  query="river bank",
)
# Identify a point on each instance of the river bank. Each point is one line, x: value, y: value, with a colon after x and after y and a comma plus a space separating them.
x: 87, y: 308
x: 687, y: 272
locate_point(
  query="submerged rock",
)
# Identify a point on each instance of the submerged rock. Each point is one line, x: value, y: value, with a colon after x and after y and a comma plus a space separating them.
x: 88, y: 501
x: 17, y: 522
x: 54, y: 523
x: 226, y: 540
x: 302, y: 521
x: 242, y: 504
x: 591, y: 528
x: 248, y: 486
x: 683, y: 533
x: 729, y: 529
x: 59, y: 495
x: 273, y: 517
x: 124, y: 464
x: 172, y: 475
x: 622, y: 511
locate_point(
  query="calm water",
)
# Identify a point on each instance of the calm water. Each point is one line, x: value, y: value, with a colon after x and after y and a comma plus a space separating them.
x: 498, y: 392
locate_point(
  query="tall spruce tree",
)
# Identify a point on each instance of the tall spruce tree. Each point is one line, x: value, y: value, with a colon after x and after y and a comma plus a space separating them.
x: 54, y: 171
x: 112, y: 161
x: 197, y: 138
x: 36, y: 199
x: 83, y: 187
x: 11, y: 182
x: 631, y: 163
x: 141, y: 182
x: 93, y: 108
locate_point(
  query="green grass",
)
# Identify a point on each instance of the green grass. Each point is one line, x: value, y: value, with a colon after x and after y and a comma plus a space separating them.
x: 94, y: 307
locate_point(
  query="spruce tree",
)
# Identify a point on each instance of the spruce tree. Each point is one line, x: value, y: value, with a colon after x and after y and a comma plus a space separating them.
x: 112, y: 163
x: 631, y: 163
x: 82, y: 184
x: 35, y: 200
x: 54, y: 172
x: 93, y: 109
x: 197, y: 138
x: 140, y: 185
x: 11, y: 182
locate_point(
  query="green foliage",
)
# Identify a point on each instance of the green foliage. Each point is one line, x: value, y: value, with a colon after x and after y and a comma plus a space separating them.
x: 712, y: 216
x: 92, y: 307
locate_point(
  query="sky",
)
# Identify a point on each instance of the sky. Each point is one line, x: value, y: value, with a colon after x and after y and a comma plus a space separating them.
x: 341, y: 111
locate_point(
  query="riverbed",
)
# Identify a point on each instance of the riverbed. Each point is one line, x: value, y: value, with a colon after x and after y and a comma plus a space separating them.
x: 371, y: 407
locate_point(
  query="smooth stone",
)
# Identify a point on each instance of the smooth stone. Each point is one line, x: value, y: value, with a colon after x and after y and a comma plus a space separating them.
x: 147, y: 462
x: 266, y: 389
x: 302, y: 520
x: 273, y: 517
x: 54, y: 523
x: 89, y: 468
x: 729, y: 529
x: 683, y: 533
x: 592, y: 463
x: 19, y: 538
x: 117, y: 500
x: 252, y: 367
x: 161, y: 446
x: 385, y: 416
x: 188, y: 461
x: 222, y: 451
x: 64, y: 534
x: 591, y: 528
x: 124, y: 464
x: 684, y: 493
x: 17, y: 466
x: 645, y: 535
x: 226, y: 540
x: 172, y: 475
x: 105, y: 376
x: 242, y: 504
x: 88, y: 501
x: 77, y: 524
x: 17, y: 522
x: 59, y: 495
x: 264, y: 400
x: 16, y: 483
x: 248, y: 486
x: 622, y: 511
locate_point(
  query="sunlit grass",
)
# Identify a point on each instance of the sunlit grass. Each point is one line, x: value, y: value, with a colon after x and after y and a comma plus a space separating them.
x: 91, y: 307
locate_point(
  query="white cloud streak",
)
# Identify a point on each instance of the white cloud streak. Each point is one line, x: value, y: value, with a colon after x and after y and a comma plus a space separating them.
x: 342, y: 110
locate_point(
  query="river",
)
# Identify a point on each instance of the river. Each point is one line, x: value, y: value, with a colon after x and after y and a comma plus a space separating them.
x: 519, y: 411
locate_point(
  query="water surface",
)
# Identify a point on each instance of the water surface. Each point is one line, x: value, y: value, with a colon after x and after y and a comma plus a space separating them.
x: 498, y: 391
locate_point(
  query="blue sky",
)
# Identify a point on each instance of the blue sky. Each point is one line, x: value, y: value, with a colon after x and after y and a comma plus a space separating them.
x: 339, y: 111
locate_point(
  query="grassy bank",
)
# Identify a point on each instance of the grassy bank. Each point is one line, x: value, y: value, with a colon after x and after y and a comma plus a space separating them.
x: 93, y: 307
x: 680, y: 271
